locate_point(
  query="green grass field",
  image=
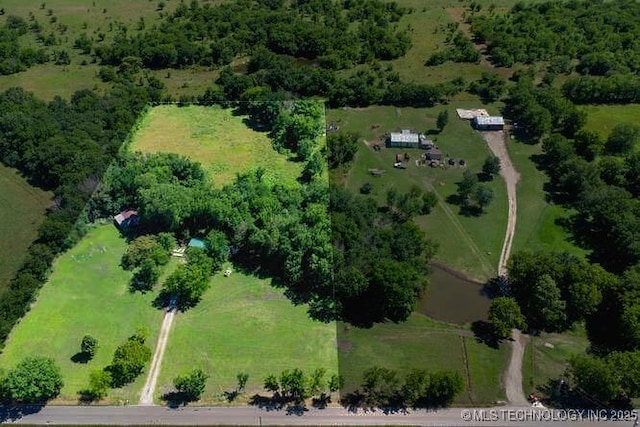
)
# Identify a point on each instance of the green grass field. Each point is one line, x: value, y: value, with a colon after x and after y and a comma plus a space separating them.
x: 243, y: 324
x: 537, y: 225
x: 216, y: 138
x: 87, y: 293
x: 603, y: 118
x: 468, y: 244
x: 421, y: 343
x: 546, y: 357
x: 22, y: 209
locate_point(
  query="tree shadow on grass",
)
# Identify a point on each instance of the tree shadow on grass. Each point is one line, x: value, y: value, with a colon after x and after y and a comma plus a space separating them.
x: 81, y: 357
x: 485, y: 333
x: 14, y: 412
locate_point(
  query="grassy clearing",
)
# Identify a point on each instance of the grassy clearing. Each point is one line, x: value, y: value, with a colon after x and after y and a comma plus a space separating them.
x: 22, y: 209
x: 546, y: 357
x: 216, y: 138
x: 87, y: 293
x: 537, y: 226
x: 603, y: 118
x: 243, y: 324
x: 468, y: 244
x: 422, y: 343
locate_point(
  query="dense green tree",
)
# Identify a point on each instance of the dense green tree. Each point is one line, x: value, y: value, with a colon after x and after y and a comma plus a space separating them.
x: 144, y: 248
x: 491, y: 166
x: 189, y: 281
x: 218, y: 248
x: 595, y: 378
x: 34, y: 379
x: 271, y: 384
x: 145, y: 277
x: 89, y: 346
x: 128, y: 361
x: 99, y: 384
x: 342, y: 148
x: 294, y: 385
x: 505, y: 315
x: 622, y: 139
x: 191, y: 385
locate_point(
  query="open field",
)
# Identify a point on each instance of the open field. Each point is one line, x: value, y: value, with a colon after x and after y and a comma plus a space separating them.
x: 546, y: 356
x: 243, y: 324
x: 603, y: 118
x: 422, y: 343
x: 22, y: 209
x: 468, y: 244
x: 216, y: 138
x: 537, y: 227
x: 87, y: 293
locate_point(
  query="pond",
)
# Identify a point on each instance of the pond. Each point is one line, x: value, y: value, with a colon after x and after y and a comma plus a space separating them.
x: 452, y: 298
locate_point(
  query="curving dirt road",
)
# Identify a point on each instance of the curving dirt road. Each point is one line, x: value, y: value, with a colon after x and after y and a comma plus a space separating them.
x: 513, y: 377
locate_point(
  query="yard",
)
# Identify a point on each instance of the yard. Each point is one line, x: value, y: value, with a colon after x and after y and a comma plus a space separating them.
x: 422, y: 343
x: 603, y: 118
x: 215, y: 137
x: 22, y: 209
x: 243, y: 324
x: 87, y: 293
x: 470, y: 245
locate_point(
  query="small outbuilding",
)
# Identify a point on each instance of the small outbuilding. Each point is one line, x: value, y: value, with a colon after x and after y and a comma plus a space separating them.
x: 197, y: 243
x: 126, y: 219
x: 433, y: 154
x: 406, y: 138
x: 488, y: 123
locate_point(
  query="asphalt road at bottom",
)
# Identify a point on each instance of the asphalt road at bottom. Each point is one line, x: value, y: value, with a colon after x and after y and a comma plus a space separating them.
x: 158, y: 415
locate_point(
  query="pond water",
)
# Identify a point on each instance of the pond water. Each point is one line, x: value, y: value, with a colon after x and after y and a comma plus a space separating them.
x: 452, y: 298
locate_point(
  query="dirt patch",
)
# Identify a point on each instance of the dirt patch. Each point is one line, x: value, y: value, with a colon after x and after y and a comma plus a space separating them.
x: 344, y: 345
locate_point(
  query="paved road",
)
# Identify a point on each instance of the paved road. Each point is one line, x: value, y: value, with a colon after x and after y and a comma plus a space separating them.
x: 154, y: 415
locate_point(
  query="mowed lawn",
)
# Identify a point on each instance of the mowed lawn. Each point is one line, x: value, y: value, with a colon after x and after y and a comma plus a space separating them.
x: 87, y: 293
x: 422, y: 343
x: 470, y: 245
x: 216, y: 138
x: 22, y: 209
x: 243, y: 324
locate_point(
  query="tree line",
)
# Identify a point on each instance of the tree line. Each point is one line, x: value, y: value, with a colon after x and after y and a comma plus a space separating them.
x: 63, y: 146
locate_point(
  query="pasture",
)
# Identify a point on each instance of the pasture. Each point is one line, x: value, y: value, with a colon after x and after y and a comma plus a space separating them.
x: 243, y: 324
x: 87, y: 293
x: 422, y: 343
x: 470, y: 245
x: 215, y: 137
x: 22, y: 209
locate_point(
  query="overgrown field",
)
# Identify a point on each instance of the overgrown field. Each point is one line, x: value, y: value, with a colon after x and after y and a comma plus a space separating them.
x: 243, y: 324
x: 468, y: 244
x: 546, y: 357
x: 421, y: 343
x: 22, y: 209
x: 215, y: 137
x: 87, y: 293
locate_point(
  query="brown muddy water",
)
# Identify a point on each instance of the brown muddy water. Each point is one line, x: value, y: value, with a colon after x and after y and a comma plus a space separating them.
x: 452, y: 298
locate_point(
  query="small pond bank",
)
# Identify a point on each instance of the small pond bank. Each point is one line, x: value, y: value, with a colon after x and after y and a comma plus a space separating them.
x: 453, y: 298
